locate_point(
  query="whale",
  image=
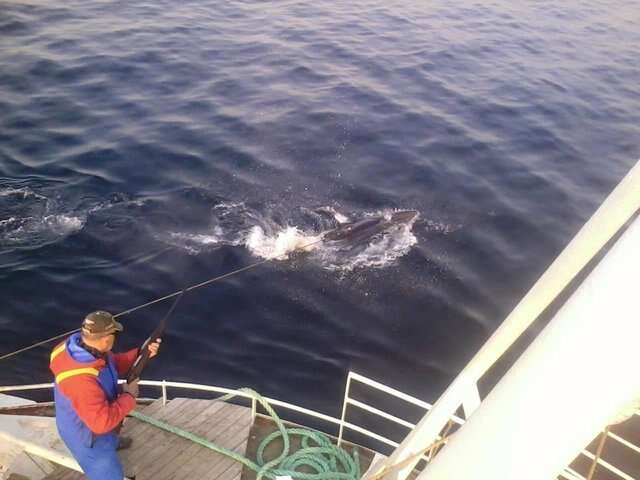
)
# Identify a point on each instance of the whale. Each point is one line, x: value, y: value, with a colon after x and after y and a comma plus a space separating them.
x: 360, y: 231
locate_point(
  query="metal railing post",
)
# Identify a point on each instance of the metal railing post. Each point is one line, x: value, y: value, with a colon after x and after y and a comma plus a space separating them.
x: 344, y: 408
x: 253, y: 410
x: 164, y: 392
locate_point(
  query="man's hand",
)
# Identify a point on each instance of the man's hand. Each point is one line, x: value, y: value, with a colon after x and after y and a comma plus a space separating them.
x: 153, y: 348
x: 131, y: 388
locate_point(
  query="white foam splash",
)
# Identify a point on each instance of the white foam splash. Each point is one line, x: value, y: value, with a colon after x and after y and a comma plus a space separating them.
x: 379, y: 253
x: 384, y: 251
x: 228, y: 205
x: 22, y: 193
x: 340, y: 218
x: 8, y: 221
x: 118, y: 199
x: 36, y: 231
x: 440, y: 227
x: 35, y: 220
x: 199, y: 238
x: 194, y: 243
x: 63, y: 224
x: 279, y: 245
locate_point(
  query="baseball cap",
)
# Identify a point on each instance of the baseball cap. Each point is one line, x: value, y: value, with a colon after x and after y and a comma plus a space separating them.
x: 100, y: 324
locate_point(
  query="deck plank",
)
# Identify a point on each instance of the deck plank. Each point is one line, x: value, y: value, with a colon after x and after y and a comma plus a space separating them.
x: 199, y: 468
x: 160, y: 455
x: 197, y: 427
x: 195, y: 456
x: 233, y: 473
x: 161, y: 452
x: 154, y: 442
x: 169, y: 414
x: 142, y: 433
x: 231, y: 433
x: 133, y: 427
x: 222, y: 467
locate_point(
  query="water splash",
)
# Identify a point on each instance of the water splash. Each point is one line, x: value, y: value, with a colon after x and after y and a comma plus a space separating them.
x: 339, y: 217
x: 264, y: 235
x: 195, y: 243
x: 279, y: 245
x: 34, y: 219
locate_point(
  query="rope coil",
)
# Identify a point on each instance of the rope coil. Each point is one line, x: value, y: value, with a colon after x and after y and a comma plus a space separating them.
x: 318, y: 454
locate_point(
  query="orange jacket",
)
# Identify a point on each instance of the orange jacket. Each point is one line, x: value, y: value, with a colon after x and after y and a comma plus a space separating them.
x: 90, y: 384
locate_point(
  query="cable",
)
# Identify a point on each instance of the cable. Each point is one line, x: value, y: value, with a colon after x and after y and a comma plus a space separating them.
x: 43, y: 342
x: 166, y: 297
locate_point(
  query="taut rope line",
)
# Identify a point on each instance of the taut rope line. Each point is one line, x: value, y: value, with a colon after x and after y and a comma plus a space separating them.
x: 166, y: 297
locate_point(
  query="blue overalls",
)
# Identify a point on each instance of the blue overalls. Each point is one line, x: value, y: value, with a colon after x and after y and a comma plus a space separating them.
x: 96, y: 453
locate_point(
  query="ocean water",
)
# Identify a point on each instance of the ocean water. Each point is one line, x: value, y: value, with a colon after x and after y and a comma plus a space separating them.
x: 146, y: 146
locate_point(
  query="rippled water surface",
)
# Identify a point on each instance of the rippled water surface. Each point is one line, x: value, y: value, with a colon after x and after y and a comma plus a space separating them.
x: 145, y: 146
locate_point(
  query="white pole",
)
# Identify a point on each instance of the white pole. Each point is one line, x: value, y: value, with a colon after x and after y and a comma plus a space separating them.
x: 568, y: 385
x: 614, y: 212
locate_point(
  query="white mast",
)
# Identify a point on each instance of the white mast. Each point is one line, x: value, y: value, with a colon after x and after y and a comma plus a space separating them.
x: 569, y: 384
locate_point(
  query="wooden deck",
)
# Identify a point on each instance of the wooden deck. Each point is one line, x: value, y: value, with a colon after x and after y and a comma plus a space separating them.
x: 159, y: 455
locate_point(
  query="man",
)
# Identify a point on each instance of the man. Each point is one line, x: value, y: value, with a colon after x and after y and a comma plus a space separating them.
x: 90, y: 406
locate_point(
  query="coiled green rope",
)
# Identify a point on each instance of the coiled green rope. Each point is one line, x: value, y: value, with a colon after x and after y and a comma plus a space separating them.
x: 318, y: 454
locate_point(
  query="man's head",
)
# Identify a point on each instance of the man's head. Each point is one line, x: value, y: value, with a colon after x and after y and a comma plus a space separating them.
x: 99, y: 330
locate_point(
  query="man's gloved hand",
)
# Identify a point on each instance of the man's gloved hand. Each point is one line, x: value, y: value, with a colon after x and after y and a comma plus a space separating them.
x: 131, y: 388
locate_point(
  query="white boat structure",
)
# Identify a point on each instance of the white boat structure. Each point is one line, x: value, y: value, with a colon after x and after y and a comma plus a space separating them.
x: 568, y: 407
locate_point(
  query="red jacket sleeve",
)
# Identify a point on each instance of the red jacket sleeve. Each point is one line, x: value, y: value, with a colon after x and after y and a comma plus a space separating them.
x: 125, y: 360
x: 92, y: 406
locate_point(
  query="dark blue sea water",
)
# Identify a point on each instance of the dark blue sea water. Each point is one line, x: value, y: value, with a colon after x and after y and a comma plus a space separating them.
x: 145, y: 146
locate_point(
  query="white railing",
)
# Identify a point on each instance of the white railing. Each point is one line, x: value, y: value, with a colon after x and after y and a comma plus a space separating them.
x: 341, y: 423
x: 164, y: 385
x: 349, y: 400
